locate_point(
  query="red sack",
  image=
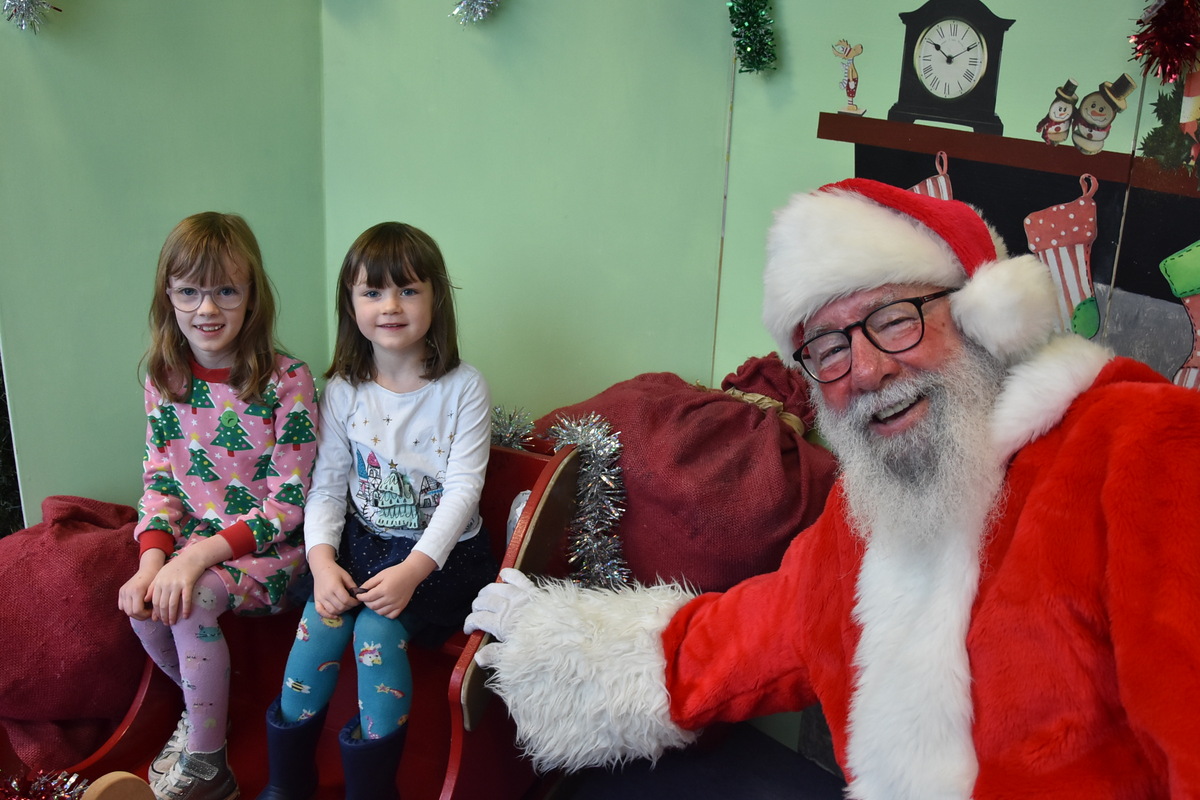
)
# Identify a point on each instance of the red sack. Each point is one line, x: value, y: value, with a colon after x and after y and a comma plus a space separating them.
x: 73, y: 662
x: 716, y: 487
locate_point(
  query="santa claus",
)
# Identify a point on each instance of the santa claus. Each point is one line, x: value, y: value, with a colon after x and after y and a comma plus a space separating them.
x: 1002, y: 597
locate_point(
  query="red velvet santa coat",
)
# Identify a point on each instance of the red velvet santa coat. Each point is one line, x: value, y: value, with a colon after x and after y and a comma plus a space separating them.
x: 1082, y: 644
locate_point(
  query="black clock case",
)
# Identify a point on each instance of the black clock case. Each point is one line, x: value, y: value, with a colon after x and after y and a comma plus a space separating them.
x: 977, y: 108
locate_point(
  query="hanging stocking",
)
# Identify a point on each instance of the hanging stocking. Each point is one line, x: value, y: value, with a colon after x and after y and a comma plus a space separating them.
x: 1061, y: 236
x: 939, y: 185
x: 1182, y: 271
x: 1189, y: 112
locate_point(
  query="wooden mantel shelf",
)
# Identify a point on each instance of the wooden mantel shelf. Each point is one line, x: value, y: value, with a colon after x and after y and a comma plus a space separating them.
x: 1137, y: 171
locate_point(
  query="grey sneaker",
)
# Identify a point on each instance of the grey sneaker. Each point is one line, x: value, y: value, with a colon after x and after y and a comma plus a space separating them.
x: 198, y: 776
x: 166, y: 759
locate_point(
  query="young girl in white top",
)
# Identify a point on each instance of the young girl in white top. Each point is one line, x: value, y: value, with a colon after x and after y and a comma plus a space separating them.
x: 392, y: 526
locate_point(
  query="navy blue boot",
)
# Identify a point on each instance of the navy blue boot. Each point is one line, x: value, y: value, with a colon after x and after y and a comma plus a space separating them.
x: 292, y: 749
x: 370, y: 765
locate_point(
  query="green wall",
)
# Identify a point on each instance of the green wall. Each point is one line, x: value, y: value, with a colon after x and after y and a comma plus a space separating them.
x: 116, y: 121
x: 569, y: 157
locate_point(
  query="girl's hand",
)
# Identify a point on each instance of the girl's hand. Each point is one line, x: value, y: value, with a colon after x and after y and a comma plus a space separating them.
x: 135, y: 594
x: 171, y: 590
x: 134, y: 597
x: 333, y: 588
x: 388, y: 592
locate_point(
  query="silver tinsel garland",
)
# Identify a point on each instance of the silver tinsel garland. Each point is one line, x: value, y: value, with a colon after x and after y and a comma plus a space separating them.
x: 43, y: 786
x: 473, y: 10
x: 511, y: 428
x: 27, y: 13
x: 594, y: 548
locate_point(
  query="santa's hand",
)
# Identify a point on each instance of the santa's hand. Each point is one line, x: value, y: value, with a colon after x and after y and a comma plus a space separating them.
x: 498, y: 605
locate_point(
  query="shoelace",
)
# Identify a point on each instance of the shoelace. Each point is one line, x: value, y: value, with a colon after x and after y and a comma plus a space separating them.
x: 175, y: 743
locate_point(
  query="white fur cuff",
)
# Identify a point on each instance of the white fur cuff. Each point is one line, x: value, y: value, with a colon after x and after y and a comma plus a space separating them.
x: 582, y: 674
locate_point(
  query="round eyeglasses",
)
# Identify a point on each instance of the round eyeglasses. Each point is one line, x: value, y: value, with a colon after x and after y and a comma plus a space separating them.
x: 892, y: 328
x: 189, y: 298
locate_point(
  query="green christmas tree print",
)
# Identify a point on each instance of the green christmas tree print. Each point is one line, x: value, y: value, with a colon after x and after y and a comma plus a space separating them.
x: 202, y: 465
x: 263, y: 468
x: 264, y: 532
x: 277, y: 585
x: 266, y: 409
x: 230, y: 433
x: 292, y: 492
x: 160, y: 524
x: 397, y: 504
x: 298, y: 428
x: 200, y: 395
x: 213, y: 519
x: 234, y: 572
x: 165, y: 484
x: 238, y: 499
x: 164, y: 426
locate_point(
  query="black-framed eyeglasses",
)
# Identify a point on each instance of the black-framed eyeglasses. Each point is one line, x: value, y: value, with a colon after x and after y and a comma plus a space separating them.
x: 892, y: 328
x: 189, y: 298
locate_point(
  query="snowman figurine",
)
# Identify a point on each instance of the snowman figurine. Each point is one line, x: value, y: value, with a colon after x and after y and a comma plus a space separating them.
x: 1055, y: 126
x: 1094, y: 117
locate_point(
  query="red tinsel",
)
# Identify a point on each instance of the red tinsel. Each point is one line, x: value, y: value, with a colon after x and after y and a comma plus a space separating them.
x: 1168, y: 38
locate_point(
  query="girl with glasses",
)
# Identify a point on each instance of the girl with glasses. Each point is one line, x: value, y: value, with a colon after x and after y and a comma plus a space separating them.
x: 231, y: 442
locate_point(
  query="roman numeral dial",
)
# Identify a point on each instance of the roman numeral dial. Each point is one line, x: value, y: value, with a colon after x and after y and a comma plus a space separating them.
x: 950, y: 58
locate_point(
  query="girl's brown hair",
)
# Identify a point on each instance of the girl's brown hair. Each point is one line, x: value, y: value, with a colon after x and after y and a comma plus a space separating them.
x: 392, y: 252
x: 208, y: 249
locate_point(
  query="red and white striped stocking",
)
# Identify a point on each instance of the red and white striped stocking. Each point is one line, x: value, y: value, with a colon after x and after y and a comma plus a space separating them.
x: 1061, y: 236
x: 939, y: 185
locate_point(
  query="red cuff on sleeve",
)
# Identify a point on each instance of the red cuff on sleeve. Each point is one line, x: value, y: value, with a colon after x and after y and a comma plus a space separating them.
x: 240, y: 538
x: 154, y: 539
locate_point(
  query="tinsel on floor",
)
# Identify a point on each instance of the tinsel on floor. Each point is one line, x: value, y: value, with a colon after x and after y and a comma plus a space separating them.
x: 43, y: 787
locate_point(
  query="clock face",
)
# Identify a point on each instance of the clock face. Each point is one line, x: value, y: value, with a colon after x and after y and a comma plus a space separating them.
x: 950, y: 58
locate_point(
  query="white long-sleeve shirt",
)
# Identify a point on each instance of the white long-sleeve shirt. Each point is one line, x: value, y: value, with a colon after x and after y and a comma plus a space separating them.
x: 412, y: 463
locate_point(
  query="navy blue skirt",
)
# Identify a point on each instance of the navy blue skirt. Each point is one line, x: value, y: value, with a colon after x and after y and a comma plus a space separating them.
x: 442, y: 601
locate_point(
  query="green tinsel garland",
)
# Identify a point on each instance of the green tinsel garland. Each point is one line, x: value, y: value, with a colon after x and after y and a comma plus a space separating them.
x: 752, y: 29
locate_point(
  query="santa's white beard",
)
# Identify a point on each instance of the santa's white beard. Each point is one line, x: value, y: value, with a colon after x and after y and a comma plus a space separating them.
x: 921, y: 501
x: 935, y: 477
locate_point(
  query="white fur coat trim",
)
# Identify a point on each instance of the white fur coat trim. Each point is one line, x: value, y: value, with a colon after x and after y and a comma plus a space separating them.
x: 1039, y: 390
x: 583, y: 673
x: 910, y: 715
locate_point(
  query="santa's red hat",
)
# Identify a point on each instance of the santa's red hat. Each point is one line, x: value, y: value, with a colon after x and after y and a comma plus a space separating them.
x: 861, y: 234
